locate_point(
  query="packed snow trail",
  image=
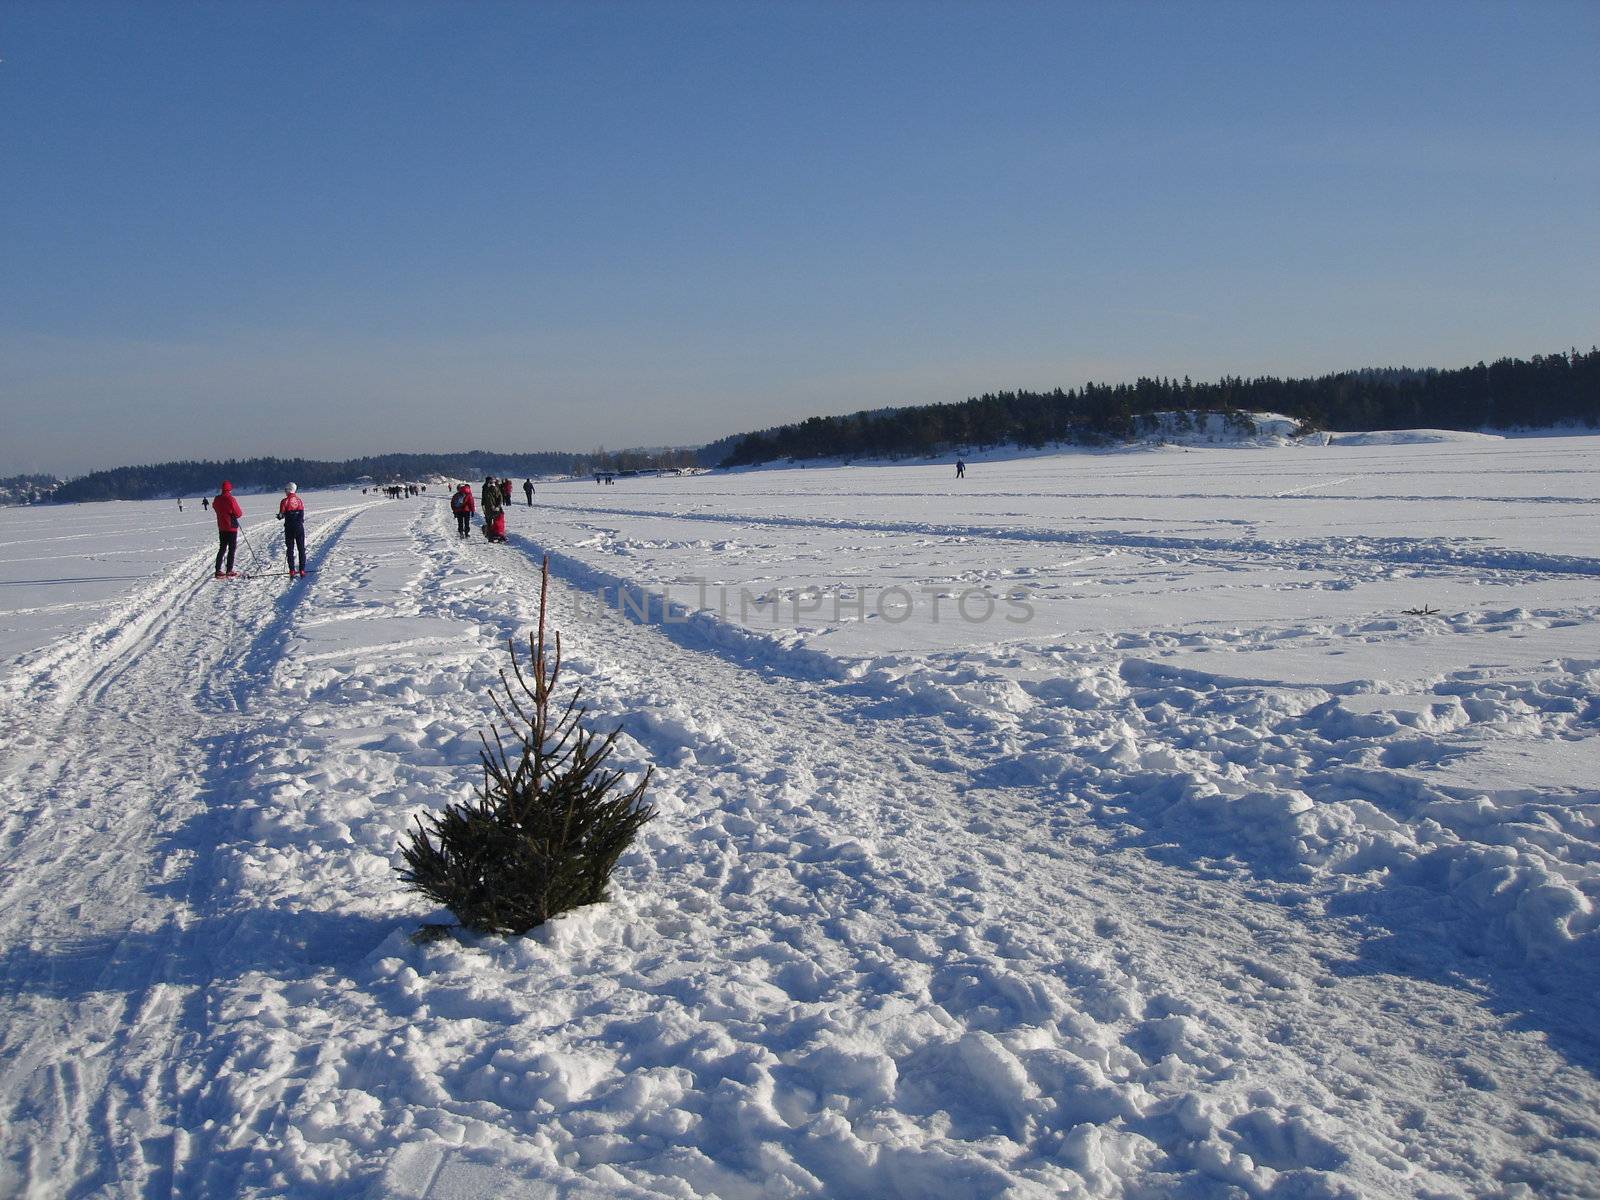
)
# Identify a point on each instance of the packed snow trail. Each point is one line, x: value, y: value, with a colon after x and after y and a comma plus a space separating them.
x: 1152, y: 943
x: 73, y: 585
x: 849, y: 959
x: 119, y: 760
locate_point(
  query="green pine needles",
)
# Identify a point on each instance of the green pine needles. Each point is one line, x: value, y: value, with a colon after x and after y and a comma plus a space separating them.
x: 549, y: 821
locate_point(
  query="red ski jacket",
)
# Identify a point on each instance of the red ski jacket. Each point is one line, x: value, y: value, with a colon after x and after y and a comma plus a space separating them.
x: 291, y: 504
x: 227, y: 509
x: 472, y: 505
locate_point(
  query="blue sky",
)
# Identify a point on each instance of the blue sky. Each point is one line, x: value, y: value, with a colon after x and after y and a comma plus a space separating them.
x: 331, y: 229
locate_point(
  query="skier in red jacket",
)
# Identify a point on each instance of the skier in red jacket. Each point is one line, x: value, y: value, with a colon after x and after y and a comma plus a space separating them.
x: 227, y: 512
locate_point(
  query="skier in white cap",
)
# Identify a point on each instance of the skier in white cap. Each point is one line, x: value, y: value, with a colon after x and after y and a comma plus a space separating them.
x: 292, y: 512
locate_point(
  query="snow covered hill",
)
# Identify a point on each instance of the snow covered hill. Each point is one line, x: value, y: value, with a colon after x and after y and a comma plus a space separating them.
x: 1219, y: 874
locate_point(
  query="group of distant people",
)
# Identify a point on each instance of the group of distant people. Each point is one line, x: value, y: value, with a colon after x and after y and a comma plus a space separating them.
x: 496, y: 498
x: 227, y: 510
x: 395, y: 490
x: 292, y: 512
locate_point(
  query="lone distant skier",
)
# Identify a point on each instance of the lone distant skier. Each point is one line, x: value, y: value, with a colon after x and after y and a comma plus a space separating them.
x: 527, y: 490
x: 205, y: 502
x: 961, y: 469
x: 292, y: 512
x: 227, y: 511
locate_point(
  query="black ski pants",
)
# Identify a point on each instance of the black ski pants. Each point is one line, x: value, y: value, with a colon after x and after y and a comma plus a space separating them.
x: 294, y: 538
x: 464, y: 524
x: 227, y: 543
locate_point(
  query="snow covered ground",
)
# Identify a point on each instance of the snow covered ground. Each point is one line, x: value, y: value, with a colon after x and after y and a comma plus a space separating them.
x: 1216, y: 876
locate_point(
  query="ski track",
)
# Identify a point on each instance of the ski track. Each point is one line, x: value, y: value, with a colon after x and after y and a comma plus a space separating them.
x: 1333, y: 550
x: 102, y: 893
x: 862, y: 952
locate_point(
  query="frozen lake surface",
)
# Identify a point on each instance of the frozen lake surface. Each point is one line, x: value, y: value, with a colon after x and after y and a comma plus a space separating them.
x: 1215, y: 872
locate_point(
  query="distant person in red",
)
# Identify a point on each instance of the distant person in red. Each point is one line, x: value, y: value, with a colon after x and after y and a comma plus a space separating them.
x: 292, y: 512
x: 227, y: 511
x: 505, y: 490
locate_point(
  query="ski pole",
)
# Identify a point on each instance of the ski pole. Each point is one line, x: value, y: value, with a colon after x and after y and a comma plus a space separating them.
x: 255, y: 555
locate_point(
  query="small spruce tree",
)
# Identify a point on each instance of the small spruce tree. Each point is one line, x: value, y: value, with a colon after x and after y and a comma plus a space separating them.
x: 549, y: 822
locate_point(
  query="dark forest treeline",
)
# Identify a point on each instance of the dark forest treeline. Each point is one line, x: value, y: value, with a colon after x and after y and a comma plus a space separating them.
x: 1541, y: 392
x: 1544, y: 391
x: 251, y: 474
x: 201, y: 478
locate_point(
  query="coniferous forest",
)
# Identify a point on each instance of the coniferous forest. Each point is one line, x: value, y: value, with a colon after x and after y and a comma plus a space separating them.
x: 200, y: 478
x: 1542, y: 392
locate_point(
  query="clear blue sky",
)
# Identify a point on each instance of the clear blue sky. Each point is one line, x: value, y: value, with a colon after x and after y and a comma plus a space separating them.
x: 329, y: 229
